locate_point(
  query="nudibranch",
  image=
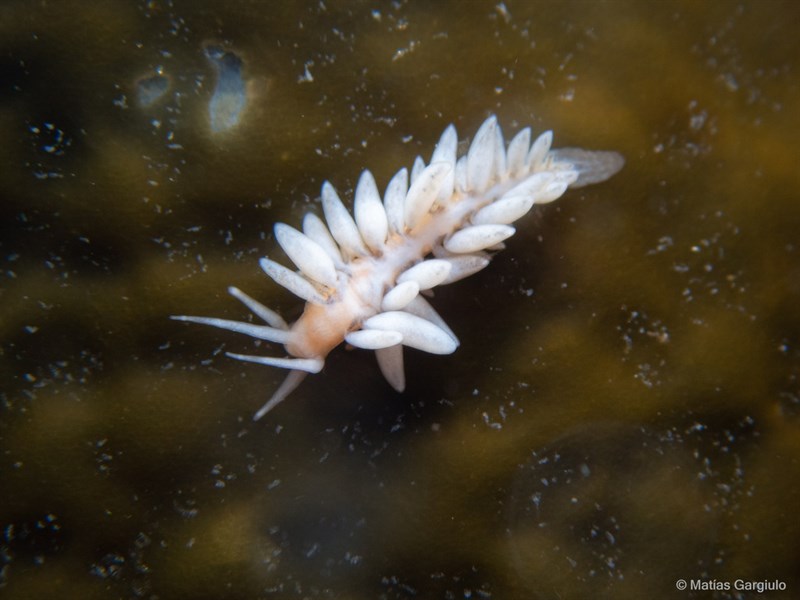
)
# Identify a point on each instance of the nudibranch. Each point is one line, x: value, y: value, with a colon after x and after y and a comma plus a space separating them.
x: 363, y: 276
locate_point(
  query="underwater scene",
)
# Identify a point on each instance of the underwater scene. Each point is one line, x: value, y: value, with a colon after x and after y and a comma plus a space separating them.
x: 621, y: 417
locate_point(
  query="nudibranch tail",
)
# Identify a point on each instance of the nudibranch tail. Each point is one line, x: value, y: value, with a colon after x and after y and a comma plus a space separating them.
x: 361, y: 275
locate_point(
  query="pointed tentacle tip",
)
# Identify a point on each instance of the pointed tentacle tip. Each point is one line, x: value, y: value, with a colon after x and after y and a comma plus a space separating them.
x: 293, y: 379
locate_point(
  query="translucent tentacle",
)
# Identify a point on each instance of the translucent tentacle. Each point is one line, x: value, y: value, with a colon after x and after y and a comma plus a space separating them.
x: 261, y: 332
x: 266, y: 314
x: 293, y: 379
x: 310, y: 365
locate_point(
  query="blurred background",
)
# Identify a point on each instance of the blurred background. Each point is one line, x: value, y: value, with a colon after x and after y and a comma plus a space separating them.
x: 624, y: 409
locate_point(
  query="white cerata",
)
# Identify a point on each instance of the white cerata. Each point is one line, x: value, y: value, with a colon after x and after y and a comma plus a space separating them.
x: 363, y: 278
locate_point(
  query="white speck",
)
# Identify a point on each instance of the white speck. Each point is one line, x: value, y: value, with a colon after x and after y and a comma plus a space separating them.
x: 502, y: 10
x: 306, y: 77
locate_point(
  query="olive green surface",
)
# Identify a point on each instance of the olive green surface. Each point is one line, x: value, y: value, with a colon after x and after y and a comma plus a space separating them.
x: 623, y: 411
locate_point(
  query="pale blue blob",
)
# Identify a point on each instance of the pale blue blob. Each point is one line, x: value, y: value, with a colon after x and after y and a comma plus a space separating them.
x: 150, y: 89
x: 230, y: 96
